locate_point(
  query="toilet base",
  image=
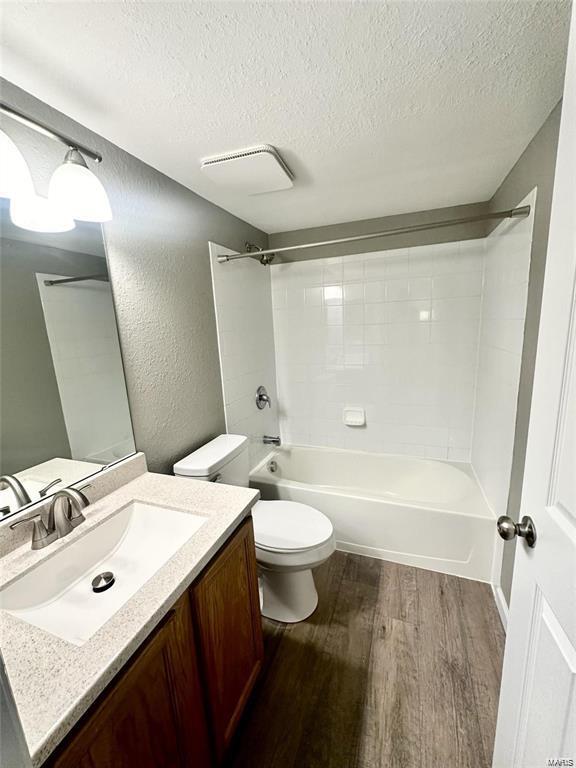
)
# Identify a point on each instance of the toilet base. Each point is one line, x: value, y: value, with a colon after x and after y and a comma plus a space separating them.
x: 289, y: 596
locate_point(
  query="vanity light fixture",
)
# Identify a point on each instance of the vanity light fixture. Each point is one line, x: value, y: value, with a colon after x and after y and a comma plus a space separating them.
x: 27, y: 209
x: 15, y: 178
x: 39, y: 214
x: 74, y: 191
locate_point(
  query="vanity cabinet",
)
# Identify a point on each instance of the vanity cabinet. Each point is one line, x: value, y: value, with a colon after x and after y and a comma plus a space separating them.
x: 226, y: 610
x: 177, y: 702
x: 153, y: 715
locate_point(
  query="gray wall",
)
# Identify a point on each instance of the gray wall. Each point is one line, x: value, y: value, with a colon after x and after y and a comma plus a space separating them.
x: 535, y: 168
x: 33, y: 427
x: 367, y: 226
x: 158, y: 258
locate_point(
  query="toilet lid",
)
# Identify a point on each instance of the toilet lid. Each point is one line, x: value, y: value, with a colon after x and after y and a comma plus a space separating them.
x: 288, y: 525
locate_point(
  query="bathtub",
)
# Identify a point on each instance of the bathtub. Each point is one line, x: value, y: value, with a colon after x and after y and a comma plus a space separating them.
x: 420, y: 512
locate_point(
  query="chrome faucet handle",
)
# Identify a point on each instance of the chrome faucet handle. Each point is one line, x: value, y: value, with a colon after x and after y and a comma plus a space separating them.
x: 46, y: 488
x: 66, y: 511
x: 262, y: 398
x: 74, y: 511
x: 41, y: 536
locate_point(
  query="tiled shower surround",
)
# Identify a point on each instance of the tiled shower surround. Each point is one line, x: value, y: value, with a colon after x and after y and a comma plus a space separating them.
x: 395, y: 332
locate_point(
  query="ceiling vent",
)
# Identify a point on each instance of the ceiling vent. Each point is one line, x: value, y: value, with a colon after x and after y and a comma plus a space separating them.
x: 251, y: 171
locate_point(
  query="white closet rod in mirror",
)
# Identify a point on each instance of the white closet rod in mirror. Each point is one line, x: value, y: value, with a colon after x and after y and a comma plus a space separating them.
x: 65, y: 280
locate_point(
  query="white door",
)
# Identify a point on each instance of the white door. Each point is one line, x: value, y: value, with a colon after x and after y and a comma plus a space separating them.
x: 537, y: 714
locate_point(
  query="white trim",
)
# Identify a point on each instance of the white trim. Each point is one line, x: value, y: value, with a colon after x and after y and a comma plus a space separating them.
x: 501, y: 604
x: 215, y: 250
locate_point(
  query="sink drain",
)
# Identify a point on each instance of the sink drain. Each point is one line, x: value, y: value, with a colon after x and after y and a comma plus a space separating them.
x: 103, y: 581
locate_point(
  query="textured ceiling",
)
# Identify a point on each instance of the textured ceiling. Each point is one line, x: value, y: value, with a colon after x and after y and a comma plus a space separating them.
x: 378, y: 108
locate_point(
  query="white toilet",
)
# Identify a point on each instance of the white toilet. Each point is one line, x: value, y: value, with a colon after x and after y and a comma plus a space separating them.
x: 291, y: 538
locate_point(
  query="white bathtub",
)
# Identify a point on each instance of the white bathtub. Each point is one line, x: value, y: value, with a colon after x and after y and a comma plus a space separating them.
x: 420, y: 512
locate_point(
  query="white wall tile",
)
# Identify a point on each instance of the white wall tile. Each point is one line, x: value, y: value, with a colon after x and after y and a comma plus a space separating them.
x: 374, y: 291
x: 398, y: 289
x: 375, y: 314
x: 408, y: 311
x: 375, y: 334
x: 313, y: 296
x: 379, y: 346
x: 333, y: 315
x: 464, y: 284
x: 353, y: 269
x: 353, y: 293
x: 332, y: 269
x: 420, y: 287
x: 354, y: 314
x: 453, y: 310
x: 333, y: 295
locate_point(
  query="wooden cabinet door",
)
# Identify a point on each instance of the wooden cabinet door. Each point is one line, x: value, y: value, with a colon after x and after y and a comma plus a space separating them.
x: 229, y: 626
x: 153, y: 717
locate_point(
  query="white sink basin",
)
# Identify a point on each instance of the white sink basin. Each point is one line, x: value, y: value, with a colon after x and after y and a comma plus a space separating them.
x: 132, y: 543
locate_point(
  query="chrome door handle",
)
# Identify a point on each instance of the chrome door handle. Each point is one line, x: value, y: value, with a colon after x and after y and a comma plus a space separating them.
x: 508, y: 529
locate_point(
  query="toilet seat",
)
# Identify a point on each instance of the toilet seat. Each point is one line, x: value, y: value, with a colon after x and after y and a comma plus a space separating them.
x: 288, y: 526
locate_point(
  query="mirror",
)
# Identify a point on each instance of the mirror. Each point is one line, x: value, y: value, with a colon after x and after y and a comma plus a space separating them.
x: 63, y: 402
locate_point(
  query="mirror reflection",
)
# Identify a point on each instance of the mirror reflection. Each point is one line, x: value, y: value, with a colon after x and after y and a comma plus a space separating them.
x: 63, y: 401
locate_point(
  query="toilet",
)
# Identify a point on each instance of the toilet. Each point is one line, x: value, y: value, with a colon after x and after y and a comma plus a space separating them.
x: 291, y: 538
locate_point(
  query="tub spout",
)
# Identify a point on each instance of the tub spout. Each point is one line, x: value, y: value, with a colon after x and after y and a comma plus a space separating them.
x: 269, y: 440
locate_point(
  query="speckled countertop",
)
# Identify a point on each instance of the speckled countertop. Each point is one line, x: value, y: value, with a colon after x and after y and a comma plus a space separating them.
x: 55, y: 682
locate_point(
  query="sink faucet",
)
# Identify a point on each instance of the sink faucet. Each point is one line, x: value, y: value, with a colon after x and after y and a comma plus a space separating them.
x: 64, y: 515
x: 65, y: 511
x: 269, y: 440
x: 15, y: 485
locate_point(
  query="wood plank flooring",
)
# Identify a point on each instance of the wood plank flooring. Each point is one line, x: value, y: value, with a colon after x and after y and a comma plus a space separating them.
x: 397, y: 668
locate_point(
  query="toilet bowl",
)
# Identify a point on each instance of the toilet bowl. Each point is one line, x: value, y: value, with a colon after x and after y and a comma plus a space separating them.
x: 291, y: 538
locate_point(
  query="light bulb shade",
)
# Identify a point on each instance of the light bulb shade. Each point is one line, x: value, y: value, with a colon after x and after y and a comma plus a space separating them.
x: 76, y: 189
x: 15, y: 179
x: 39, y: 214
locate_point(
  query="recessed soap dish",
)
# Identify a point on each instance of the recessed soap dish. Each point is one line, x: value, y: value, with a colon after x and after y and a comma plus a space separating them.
x: 354, y: 417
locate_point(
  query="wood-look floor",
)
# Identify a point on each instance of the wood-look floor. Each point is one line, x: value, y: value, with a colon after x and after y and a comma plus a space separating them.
x: 397, y: 668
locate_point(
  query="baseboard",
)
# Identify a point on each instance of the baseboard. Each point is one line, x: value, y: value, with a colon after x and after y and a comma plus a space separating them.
x: 501, y: 604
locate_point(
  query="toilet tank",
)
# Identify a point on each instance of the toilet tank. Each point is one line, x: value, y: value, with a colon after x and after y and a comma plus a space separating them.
x: 224, y: 460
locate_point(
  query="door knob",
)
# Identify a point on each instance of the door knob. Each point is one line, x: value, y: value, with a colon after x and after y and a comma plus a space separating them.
x: 508, y: 529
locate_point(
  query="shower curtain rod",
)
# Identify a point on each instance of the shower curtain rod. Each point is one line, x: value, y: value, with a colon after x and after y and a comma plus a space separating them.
x: 267, y: 255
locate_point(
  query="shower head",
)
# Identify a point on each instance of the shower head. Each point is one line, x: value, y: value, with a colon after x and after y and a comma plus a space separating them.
x: 266, y: 259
